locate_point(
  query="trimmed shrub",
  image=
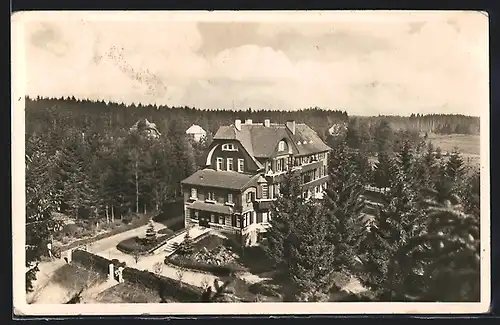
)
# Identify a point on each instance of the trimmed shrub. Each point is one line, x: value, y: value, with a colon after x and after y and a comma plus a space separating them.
x: 89, y: 260
x: 182, y: 292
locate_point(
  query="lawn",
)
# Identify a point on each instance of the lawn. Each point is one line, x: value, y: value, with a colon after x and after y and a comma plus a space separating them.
x: 467, y: 144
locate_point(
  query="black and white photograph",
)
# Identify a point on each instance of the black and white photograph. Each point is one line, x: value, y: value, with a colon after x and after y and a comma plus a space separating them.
x: 280, y: 162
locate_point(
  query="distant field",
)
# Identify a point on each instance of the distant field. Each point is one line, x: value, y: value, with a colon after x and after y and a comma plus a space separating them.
x: 466, y: 144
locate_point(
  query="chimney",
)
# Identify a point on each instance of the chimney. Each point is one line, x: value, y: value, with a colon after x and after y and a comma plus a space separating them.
x: 291, y: 126
x: 237, y: 124
x: 267, y: 123
x: 248, y: 121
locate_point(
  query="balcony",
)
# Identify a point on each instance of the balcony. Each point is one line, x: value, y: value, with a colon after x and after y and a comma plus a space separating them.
x: 262, y: 204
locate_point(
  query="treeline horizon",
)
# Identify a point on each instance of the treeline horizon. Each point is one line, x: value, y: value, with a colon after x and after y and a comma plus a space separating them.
x: 321, y: 120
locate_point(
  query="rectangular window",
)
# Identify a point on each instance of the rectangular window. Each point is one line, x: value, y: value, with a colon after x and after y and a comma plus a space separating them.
x: 194, y: 193
x: 219, y: 163
x: 196, y: 215
x: 241, y: 165
x: 230, y: 198
x: 238, y: 221
x: 249, y: 197
x: 211, y: 196
x: 279, y: 166
x: 264, y: 191
x: 212, y: 218
x: 229, y: 164
x: 259, y: 217
x: 221, y: 219
x: 229, y: 147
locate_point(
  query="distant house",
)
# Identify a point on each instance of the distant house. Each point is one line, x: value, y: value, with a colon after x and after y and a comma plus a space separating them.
x: 143, y: 126
x: 196, y: 132
x: 338, y: 129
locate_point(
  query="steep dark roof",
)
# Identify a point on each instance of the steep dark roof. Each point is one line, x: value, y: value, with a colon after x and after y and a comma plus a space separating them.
x: 220, y: 179
x: 261, y: 141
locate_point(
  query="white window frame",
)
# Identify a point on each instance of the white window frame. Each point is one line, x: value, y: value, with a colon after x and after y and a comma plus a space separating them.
x: 230, y: 198
x: 238, y: 221
x: 262, y: 187
x: 194, y: 193
x: 241, y: 165
x: 220, y: 163
x: 210, y: 197
x: 281, y: 146
x: 229, y: 147
x: 229, y: 164
x: 221, y: 217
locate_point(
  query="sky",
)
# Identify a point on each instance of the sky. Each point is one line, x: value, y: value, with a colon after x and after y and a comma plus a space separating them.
x: 364, y: 63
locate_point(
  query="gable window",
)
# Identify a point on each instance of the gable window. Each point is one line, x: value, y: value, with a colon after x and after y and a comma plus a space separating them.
x: 219, y: 163
x: 241, y: 165
x: 264, y: 191
x: 229, y: 164
x: 210, y: 196
x: 281, y: 146
x: 229, y: 198
x: 250, y: 196
x: 229, y: 147
x: 194, y: 193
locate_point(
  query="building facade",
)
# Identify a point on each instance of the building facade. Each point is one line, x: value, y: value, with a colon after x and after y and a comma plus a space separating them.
x: 245, y: 165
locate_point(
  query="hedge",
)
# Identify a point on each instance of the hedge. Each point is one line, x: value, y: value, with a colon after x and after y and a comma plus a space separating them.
x: 95, y: 262
x: 173, y: 288
x: 135, y: 245
x: 220, y: 270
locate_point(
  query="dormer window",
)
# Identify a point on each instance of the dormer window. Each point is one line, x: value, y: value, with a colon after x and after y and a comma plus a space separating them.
x: 229, y: 147
x: 281, y: 146
x: 194, y: 194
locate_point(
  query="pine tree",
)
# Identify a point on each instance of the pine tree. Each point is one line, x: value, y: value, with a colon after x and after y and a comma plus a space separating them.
x: 311, y: 255
x: 284, y: 211
x: 454, y: 169
x: 383, y: 170
x: 344, y: 204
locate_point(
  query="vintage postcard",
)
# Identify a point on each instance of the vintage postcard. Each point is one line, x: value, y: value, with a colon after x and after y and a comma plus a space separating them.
x: 274, y: 162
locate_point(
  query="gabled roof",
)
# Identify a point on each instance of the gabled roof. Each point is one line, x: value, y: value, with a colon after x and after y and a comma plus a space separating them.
x: 220, y: 179
x: 196, y: 129
x: 261, y: 141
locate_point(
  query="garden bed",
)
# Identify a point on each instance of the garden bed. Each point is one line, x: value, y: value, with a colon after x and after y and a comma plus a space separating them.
x: 211, y: 254
x: 138, y: 245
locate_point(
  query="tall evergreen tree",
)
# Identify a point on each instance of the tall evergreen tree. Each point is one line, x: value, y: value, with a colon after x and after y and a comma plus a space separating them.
x: 284, y: 211
x: 344, y: 204
x: 444, y: 262
x: 311, y: 255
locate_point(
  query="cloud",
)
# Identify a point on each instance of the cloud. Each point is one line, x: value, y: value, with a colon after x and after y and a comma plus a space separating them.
x: 425, y: 64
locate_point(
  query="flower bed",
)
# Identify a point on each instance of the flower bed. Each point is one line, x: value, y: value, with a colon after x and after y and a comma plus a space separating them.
x: 209, y: 255
x: 138, y: 245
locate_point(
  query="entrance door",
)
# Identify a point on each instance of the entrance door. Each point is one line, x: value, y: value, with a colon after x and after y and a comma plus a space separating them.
x: 204, y: 219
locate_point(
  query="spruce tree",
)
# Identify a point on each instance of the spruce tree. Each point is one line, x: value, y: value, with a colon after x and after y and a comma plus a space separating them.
x: 400, y: 219
x: 344, y: 204
x: 311, y: 255
x: 284, y: 211
x: 445, y: 261
x: 187, y: 245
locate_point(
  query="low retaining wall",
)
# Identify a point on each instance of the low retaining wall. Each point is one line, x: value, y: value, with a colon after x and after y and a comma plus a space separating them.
x: 181, y: 291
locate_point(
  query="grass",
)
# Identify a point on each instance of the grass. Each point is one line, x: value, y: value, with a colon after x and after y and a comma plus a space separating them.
x: 467, y: 144
x: 128, y: 293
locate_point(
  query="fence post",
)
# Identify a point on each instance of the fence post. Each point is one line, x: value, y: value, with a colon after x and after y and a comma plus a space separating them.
x: 69, y: 254
x: 111, y: 275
